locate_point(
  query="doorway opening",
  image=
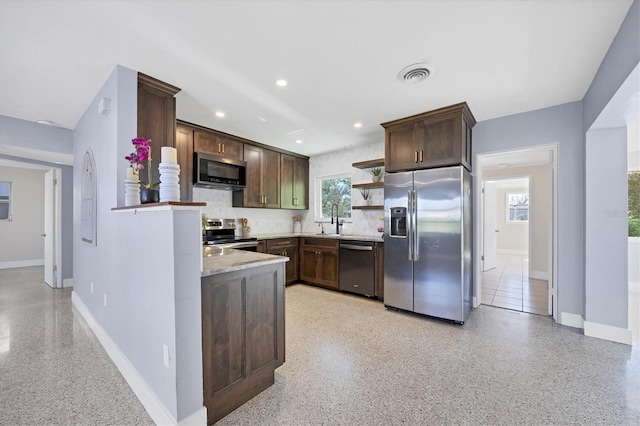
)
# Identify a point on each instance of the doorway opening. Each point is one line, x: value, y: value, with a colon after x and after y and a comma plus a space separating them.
x: 517, y: 236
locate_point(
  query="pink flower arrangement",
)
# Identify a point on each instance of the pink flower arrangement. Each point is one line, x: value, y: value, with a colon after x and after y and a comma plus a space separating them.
x: 139, y: 156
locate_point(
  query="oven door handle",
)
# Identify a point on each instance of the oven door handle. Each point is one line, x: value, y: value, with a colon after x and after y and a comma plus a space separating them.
x: 243, y: 244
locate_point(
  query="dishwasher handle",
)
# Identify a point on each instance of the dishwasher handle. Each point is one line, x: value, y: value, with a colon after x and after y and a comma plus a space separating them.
x: 354, y: 247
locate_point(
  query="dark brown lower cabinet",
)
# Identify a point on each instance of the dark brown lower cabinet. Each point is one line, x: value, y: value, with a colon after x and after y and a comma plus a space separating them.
x: 319, y: 261
x: 286, y: 247
x: 242, y: 335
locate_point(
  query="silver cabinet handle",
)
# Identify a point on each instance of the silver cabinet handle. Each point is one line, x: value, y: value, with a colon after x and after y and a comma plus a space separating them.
x: 352, y: 247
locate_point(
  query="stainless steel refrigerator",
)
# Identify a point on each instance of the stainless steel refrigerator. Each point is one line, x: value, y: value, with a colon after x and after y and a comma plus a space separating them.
x: 427, y: 255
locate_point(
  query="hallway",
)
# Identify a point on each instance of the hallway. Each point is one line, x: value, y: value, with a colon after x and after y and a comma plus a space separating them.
x: 508, y: 286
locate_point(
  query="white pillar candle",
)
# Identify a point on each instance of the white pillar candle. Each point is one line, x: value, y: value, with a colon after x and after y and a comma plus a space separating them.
x: 131, y: 173
x: 169, y: 155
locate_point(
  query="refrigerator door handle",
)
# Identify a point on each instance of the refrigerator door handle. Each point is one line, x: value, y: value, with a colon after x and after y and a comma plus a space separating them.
x: 414, y: 227
x: 410, y: 224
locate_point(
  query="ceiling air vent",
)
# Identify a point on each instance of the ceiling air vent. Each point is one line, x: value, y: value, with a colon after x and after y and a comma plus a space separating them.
x: 414, y: 73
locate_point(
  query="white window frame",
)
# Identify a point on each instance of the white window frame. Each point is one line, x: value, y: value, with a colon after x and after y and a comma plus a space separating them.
x: 508, y: 206
x: 8, y: 201
x: 318, y: 197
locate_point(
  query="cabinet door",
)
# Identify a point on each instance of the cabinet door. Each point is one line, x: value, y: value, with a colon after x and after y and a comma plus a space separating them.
x: 271, y: 178
x: 294, y: 182
x: 308, y: 264
x: 263, y: 179
x: 231, y: 148
x: 328, y: 268
x: 400, y: 150
x: 156, y: 119
x: 439, y: 141
x: 205, y: 142
x: 184, y: 146
x: 291, y: 267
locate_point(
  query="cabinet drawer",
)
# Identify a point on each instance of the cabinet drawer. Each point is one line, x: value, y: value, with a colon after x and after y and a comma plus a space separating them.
x: 281, y: 243
x: 320, y: 242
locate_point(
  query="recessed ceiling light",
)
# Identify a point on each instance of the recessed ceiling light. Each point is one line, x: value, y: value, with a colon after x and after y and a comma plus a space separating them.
x: 45, y: 122
x: 219, y: 114
x: 262, y: 119
x: 357, y: 124
x: 503, y: 165
x: 298, y: 140
x: 281, y: 82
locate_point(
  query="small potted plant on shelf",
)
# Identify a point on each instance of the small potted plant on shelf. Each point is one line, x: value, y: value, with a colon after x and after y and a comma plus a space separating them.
x: 366, y: 196
x: 142, y: 154
x: 376, y: 173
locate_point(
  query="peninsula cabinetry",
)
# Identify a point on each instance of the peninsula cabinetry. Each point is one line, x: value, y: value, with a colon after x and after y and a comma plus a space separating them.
x: 294, y: 182
x: 184, y: 147
x: 263, y: 179
x: 286, y: 247
x: 243, y: 337
x: 436, y: 138
x: 156, y: 118
x: 319, y: 261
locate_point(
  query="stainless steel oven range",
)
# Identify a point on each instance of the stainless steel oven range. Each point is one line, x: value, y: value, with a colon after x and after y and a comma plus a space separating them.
x: 222, y: 233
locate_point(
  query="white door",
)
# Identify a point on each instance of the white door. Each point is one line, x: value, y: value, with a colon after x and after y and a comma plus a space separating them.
x: 49, y: 229
x: 490, y: 225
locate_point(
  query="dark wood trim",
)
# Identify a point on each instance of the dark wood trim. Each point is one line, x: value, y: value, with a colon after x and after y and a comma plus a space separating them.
x: 368, y: 185
x: 445, y: 110
x: 157, y: 84
x: 241, y: 139
x: 369, y: 164
x: 367, y: 207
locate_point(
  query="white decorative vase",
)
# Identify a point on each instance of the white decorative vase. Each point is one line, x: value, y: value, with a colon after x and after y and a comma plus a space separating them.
x: 131, y: 192
x: 169, y: 182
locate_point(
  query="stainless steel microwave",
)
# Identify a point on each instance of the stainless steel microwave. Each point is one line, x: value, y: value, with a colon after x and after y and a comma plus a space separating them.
x: 212, y: 171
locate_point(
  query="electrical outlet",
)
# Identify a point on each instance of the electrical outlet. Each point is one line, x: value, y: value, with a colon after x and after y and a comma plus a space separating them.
x: 105, y: 300
x: 91, y: 287
x: 165, y: 355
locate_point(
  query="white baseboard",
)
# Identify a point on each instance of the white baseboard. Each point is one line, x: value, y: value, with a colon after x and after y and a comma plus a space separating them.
x: 147, y: 397
x: 67, y: 283
x: 607, y: 332
x: 198, y: 418
x: 571, y: 320
x: 539, y: 275
x: 21, y: 263
x: 518, y: 252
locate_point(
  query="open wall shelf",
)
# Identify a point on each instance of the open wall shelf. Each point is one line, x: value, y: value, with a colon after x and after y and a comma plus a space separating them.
x: 369, y: 164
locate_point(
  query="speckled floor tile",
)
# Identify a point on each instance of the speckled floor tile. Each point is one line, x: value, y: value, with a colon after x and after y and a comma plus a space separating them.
x: 351, y: 361
x: 53, y: 370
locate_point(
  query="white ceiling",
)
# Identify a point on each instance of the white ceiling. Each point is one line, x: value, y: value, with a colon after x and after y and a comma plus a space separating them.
x: 341, y: 59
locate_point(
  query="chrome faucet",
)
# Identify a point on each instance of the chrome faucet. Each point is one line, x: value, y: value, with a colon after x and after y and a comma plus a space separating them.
x: 337, y: 221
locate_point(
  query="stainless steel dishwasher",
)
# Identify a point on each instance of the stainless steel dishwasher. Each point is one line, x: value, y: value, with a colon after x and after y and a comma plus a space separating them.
x: 356, y: 267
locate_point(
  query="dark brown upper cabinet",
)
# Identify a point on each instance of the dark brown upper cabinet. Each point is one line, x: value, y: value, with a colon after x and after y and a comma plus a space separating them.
x: 436, y: 138
x: 263, y: 179
x: 294, y: 182
x: 156, y: 118
x: 184, y: 146
x: 210, y: 142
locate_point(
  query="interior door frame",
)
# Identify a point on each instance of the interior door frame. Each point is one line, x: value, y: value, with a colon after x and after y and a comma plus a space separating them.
x: 57, y: 212
x: 553, y: 225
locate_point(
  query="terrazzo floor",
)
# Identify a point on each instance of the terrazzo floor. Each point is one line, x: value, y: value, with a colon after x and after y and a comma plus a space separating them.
x: 349, y: 361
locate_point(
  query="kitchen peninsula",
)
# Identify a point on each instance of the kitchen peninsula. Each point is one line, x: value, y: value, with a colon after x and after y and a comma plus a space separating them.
x: 242, y: 326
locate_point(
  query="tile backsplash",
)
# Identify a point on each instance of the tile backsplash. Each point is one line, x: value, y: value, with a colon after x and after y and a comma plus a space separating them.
x: 274, y: 221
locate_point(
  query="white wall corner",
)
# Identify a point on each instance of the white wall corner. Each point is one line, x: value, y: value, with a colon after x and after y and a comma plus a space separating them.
x: 571, y: 320
x: 539, y: 275
x: 156, y: 410
x: 67, y: 283
x: 607, y: 332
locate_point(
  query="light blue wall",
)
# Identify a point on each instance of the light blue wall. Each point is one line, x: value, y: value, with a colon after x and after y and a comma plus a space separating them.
x: 27, y: 134
x: 561, y: 125
x: 606, y: 228
x: 621, y: 58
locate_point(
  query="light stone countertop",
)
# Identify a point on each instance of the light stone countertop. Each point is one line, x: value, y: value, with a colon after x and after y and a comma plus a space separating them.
x: 218, y: 261
x: 374, y: 238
